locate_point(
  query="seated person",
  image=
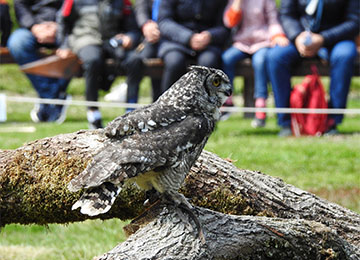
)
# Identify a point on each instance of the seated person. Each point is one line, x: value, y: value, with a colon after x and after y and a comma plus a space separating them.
x: 328, y: 30
x: 5, y: 23
x: 95, y: 30
x: 146, y: 17
x: 190, y: 30
x: 256, y: 30
x: 38, y: 29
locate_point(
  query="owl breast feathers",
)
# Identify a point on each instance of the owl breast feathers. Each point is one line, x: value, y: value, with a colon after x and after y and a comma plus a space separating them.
x: 156, y: 145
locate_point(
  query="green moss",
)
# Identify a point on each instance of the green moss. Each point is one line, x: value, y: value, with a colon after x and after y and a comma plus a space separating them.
x: 34, y: 188
x: 225, y: 201
x: 35, y: 185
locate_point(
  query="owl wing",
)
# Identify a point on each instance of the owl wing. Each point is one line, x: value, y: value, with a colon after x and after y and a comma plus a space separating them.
x: 145, y: 119
x: 142, y: 152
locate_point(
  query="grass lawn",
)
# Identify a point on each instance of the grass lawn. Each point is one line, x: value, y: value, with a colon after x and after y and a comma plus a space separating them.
x: 326, y: 166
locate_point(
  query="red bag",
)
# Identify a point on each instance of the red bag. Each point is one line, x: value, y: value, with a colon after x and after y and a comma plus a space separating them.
x: 309, y: 94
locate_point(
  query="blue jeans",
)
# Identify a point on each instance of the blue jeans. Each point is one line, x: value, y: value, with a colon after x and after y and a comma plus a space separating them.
x: 24, y: 48
x: 281, y: 59
x: 258, y: 60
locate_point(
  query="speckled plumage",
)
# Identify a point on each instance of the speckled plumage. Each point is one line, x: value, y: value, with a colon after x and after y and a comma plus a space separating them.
x: 156, y: 145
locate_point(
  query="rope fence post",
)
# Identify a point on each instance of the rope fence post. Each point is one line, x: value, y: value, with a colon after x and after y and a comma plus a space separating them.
x: 2, y: 107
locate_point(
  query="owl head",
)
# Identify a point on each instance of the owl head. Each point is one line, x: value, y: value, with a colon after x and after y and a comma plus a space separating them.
x: 201, y: 90
x: 215, y: 83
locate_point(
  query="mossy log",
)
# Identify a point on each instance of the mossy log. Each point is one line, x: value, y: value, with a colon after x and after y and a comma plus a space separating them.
x: 232, y: 237
x: 282, y: 218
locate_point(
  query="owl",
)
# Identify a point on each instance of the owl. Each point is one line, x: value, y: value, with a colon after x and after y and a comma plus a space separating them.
x: 156, y: 145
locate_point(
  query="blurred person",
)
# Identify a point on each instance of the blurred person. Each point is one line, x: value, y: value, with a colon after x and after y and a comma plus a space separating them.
x: 5, y: 22
x: 38, y: 29
x: 190, y: 31
x: 256, y: 29
x: 146, y: 13
x: 325, y: 28
x: 95, y: 30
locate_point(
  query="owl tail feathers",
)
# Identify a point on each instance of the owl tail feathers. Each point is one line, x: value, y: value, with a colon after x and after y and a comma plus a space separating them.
x: 97, y: 200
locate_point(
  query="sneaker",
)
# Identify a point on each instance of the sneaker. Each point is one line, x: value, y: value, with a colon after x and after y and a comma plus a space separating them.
x: 285, y: 132
x: 258, y: 123
x: 96, y: 124
x: 37, y: 115
x: 94, y: 119
x: 34, y: 114
x: 63, y: 109
x: 117, y: 94
x: 332, y: 131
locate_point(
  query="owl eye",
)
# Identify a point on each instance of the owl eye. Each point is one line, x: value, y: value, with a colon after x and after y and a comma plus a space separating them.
x: 216, y: 81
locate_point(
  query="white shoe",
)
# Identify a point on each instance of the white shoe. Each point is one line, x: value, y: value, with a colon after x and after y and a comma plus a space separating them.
x: 34, y: 113
x: 118, y: 93
x: 63, y: 111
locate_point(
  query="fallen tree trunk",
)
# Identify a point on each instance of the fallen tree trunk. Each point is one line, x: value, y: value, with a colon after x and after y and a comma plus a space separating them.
x: 232, y: 237
x: 33, y: 189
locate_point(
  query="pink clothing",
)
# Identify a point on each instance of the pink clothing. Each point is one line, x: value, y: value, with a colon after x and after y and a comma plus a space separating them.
x: 258, y: 25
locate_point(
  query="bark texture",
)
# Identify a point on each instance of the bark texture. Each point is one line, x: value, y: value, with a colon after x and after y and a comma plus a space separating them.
x: 284, y: 222
x: 232, y: 237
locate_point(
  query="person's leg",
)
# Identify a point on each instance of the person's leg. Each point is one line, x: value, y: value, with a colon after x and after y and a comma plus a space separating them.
x: 24, y: 48
x: 258, y: 62
x: 342, y: 58
x: 279, y: 62
x: 229, y: 59
x: 134, y: 67
x: 174, y: 68
x: 150, y: 51
x: 92, y: 64
x: 209, y: 58
x: 5, y: 24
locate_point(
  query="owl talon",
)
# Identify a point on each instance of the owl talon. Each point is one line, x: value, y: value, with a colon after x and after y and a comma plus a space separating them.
x: 196, y: 220
x: 183, y: 204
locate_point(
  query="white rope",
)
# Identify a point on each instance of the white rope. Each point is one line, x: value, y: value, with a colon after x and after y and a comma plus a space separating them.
x: 235, y: 109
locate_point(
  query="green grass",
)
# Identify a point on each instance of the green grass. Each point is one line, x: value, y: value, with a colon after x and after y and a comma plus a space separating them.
x: 327, y: 166
x: 75, y: 241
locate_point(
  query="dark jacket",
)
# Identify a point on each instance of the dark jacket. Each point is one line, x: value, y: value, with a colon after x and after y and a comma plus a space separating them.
x: 114, y: 17
x: 143, y: 11
x: 180, y: 19
x: 339, y: 20
x: 30, y: 12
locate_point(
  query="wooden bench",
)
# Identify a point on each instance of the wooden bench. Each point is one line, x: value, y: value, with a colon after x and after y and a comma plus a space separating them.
x: 154, y: 68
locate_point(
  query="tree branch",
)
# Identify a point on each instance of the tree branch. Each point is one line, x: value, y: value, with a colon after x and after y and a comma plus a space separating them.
x: 232, y: 237
x: 33, y: 181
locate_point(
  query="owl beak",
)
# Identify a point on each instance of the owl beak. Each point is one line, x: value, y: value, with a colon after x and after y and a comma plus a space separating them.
x: 228, y: 91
